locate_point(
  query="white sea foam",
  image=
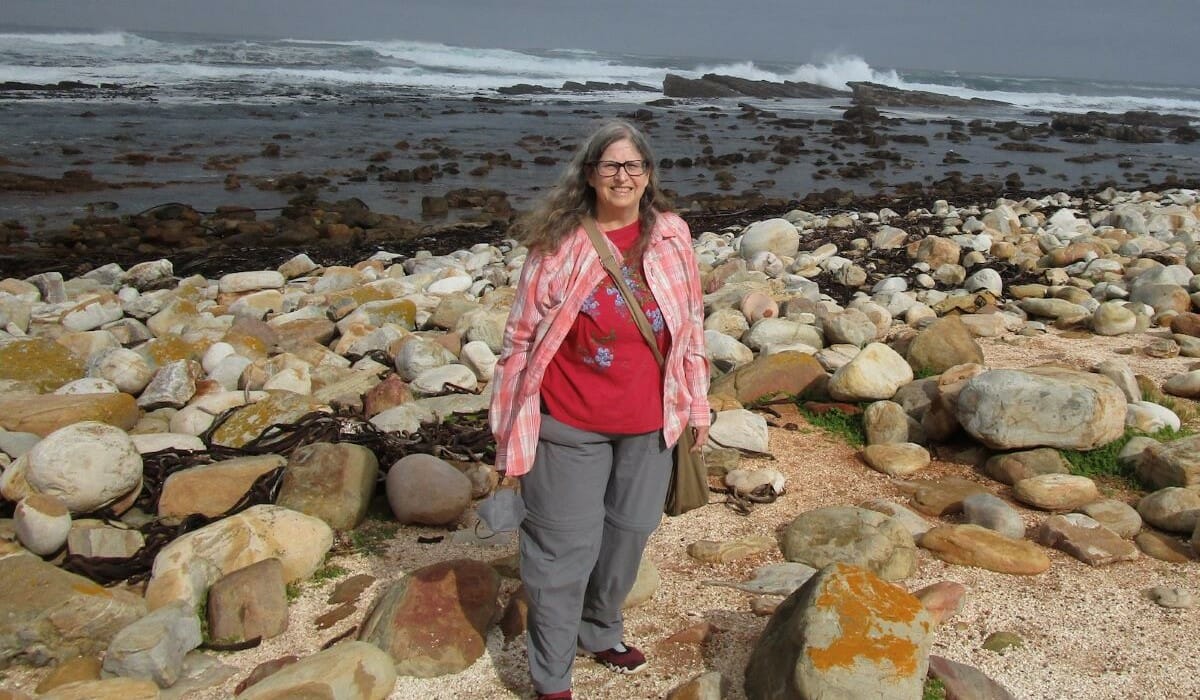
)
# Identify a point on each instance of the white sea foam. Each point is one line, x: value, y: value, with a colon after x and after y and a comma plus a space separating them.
x: 70, y: 38
x: 183, y: 64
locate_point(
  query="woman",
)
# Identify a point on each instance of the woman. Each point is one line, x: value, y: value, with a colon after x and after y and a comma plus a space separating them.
x: 582, y: 411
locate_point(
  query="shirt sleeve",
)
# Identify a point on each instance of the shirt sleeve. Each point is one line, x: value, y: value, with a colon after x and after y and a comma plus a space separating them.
x: 523, y: 320
x: 695, y: 361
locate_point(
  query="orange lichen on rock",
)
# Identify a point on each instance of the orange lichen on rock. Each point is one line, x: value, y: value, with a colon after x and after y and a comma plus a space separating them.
x: 858, y: 597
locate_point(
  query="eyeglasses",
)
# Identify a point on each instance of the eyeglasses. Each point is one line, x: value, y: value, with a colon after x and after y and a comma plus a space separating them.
x: 609, y: 168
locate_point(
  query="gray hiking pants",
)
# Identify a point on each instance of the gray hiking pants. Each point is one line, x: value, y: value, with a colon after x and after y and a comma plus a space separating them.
x: 591, y: 500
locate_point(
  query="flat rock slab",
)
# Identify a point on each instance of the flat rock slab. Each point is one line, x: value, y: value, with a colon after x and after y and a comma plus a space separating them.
x: 773, y: 579
x: 44, y: 414
x: 971, y: 545
x: 347, y: 670
x: 1085, y: 539
x: 966, y: 682
x: 944, y: 496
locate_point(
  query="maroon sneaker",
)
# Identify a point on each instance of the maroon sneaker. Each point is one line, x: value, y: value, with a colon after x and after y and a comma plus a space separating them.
x: 560, y: 695
x: 622, y: 658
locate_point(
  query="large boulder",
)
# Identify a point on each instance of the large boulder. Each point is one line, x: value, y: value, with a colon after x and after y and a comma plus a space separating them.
x: 186, y: 568
x: 778, y: 236
x: 787, y: 373
x: 85, y: 465
x: 844, y: 634
x: 434, y: 621
x: 1042, y: 406
x: 330, y: 481
x: 856, y: 536
x: 51, y: 615
x: 875, y: 373
x: 43, y: 414
x: 346, y: 670
x: 212, y: 489
x: 1175, y: 463
x: 423, y: 489
x: 943, y: 344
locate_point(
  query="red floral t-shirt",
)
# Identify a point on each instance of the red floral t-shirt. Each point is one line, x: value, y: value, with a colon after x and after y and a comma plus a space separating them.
x: 604, y: 377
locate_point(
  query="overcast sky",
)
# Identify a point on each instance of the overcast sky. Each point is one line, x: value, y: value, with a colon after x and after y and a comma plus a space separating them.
x: 1142, y: 40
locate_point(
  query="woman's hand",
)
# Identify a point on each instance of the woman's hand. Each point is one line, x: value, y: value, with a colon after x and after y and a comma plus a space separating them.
x: 700, y: 433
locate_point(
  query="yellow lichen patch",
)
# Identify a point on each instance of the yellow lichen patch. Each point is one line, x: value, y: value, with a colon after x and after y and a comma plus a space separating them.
x: 360, y: 295
x: 399, y: 312
x: 170, y: 348
x: 41, y: 362
x: 250, y: 421
x: 859, y: 598
x: 245, y: 344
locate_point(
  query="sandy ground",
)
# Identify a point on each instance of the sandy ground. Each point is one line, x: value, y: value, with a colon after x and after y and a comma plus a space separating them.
x: 1089, y: 633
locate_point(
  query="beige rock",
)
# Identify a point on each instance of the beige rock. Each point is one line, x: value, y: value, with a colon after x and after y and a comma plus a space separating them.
x: 53, y: 615
x: 185, y: 568
x: 712, y: 552
x: 46, y: 413
x: 875, y: 373
x: 1056, y: 491
x: 971, y: 545
x: 86, y: 465
x: 212, y: 489
x: 896, y: 459
x: 346, y: 670
x: 108, y: 689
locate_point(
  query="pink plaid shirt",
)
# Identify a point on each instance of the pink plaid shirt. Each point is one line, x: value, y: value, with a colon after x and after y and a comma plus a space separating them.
x: 549, y: 296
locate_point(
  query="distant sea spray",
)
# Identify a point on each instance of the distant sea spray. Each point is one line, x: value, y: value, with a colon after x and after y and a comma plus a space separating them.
x: 189, y: 66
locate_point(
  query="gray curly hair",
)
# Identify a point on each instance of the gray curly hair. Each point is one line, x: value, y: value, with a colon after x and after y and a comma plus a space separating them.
x: 573, y: 198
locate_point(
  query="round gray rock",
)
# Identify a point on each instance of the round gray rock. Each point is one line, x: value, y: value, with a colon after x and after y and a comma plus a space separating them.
x: 854, y: 536
x: 425, y: 490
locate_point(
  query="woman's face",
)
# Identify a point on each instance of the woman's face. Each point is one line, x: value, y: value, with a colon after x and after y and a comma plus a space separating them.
x: 619, y: 195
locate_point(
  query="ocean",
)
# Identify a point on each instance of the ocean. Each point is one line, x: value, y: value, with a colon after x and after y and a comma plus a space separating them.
x: 213, y: 120
x: 189, y: 68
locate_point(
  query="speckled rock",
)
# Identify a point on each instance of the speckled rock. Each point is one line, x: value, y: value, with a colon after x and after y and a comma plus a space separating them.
x: 433, y: 621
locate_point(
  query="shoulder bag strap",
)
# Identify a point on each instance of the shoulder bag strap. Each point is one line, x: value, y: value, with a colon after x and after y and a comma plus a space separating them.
x: 614, y: 271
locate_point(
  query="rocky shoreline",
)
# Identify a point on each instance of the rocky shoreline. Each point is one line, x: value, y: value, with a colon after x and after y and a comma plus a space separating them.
x: 370, y: 174
x: 203, y: 441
